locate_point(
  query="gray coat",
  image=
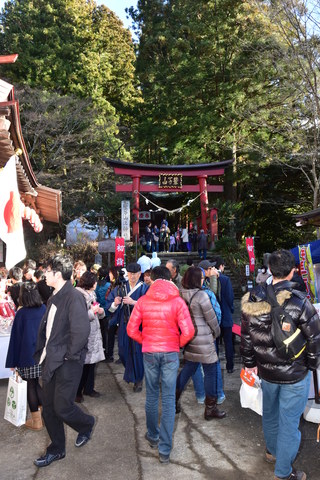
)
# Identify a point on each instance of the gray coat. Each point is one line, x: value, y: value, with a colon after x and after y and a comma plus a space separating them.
x: 202, y: 347
x: 95, y: 351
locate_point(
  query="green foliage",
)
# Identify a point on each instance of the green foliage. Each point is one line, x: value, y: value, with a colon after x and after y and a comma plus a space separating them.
x: 75, y: 48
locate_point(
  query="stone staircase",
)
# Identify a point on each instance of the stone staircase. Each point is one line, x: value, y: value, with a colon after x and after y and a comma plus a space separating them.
x: 182, y: 258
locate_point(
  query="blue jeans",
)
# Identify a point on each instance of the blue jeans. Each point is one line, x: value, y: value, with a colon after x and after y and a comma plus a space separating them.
x: 283, y: 405
x: 198, y: 383
x: 161, y: 367
x: 220, y: 392
x: 210, y: 376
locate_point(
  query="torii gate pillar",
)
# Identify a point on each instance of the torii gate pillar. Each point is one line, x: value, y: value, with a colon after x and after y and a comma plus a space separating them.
x: 203, y: 201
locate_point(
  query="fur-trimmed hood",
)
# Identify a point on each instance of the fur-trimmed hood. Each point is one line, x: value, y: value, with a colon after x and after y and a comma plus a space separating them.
x: 255, y: 303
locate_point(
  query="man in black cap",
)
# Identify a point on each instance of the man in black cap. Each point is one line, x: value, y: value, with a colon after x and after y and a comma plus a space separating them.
x: 120, y: 302
x: 211, y: 276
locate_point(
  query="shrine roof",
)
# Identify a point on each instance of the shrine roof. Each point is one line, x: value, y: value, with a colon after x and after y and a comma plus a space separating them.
x: 46, y: 201
x: 143, y: 169
x: 308, y: 218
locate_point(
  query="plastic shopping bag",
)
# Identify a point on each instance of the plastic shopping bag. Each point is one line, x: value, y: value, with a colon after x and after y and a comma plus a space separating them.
x: 251, y: 392
x: 16, y: 401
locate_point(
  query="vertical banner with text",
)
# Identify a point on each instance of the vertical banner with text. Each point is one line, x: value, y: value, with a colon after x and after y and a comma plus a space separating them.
x: 125, y: 219
x: 250, y: 249
x: 119, y: 252
x: 307, y: 272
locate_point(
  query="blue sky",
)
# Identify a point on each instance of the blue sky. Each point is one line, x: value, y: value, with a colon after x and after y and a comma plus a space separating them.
x: 118, y: 6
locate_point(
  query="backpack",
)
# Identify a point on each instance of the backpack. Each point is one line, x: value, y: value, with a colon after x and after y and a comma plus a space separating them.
x: 288, y: 339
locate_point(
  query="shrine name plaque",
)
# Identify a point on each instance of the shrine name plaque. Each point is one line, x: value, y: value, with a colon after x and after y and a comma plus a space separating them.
x: 170, y: 180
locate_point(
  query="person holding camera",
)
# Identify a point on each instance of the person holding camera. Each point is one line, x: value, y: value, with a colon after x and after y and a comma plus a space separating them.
x: 120, y: 303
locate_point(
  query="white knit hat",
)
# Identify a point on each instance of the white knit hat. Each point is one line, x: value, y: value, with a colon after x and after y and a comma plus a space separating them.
x: 145, y: 263
x: 155, y: 260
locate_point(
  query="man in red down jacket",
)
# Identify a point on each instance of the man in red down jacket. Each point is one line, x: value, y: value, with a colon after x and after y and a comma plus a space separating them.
x: 166, y: 326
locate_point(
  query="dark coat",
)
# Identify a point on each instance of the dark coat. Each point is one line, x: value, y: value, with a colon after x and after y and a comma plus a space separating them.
x: 202, y: 241
x: 24, y: 336
x: 129, y: 351
x: 226, y: 301
x: 70, y: 331
x: 257, y: 346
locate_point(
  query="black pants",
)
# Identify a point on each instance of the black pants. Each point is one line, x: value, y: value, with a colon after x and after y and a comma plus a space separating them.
x: 59, y: 407
x: 86, y: 384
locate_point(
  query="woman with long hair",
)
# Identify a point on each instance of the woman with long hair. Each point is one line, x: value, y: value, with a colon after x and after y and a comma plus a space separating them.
x: 22, y: 347
x: 201, y: 349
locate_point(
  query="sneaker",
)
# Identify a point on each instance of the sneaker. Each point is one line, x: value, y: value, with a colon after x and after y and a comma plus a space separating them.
x: 84, y: 438
x: 152, y: 443
x: 221, y: 399
x: 294, y: 475
x: 164, y: 458
x: 201, y: 400
x: 269, y: 457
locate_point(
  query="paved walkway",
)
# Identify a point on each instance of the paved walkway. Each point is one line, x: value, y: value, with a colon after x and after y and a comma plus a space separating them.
x: 228, y: 449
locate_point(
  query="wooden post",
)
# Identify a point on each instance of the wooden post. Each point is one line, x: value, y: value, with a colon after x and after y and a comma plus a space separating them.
x: 203, y: 201
x: 136, y: 207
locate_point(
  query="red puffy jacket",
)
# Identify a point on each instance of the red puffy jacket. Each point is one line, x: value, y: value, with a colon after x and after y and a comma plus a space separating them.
x: 165, y: 319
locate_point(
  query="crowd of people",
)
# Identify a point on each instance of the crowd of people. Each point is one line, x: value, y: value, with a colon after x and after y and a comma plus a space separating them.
x: 164, y: 239
x: 68, y: 319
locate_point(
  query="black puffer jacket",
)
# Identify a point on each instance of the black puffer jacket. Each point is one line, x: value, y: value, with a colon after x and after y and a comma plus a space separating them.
x: 257, y: 346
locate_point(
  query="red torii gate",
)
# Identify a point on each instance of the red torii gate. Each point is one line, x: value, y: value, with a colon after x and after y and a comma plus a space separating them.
x: 138, y: 170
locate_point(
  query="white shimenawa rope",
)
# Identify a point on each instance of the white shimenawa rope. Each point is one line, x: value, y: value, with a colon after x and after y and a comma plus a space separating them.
x: 164, y: 209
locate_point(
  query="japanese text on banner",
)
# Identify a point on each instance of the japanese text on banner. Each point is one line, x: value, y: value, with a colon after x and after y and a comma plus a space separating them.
x: 307, y: 272
x: 119, y: 252
x: 250, y: 249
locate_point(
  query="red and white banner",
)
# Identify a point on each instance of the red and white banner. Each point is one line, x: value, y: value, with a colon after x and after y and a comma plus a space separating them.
x: 11, y: 231
x: 250, y: 249
x: 119, y: 252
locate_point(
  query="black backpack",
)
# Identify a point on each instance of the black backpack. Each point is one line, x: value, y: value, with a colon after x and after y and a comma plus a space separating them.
x: 288, y: 339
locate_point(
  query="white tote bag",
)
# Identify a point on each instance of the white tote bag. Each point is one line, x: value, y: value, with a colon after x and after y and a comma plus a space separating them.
x: 16, y: 401
x: 251, y: 393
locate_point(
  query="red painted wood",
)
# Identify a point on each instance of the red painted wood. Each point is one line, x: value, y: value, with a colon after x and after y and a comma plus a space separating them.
x: 155, y: 173
x: 8, y: 58
x: 127, y: 187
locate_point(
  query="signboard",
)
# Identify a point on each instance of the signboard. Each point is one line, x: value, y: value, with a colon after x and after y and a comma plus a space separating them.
x: 119, y: 253
x: 107, y: 246
x: 144, y: 215
x: 125, y: 219
x: 250, y: 249
x: 247, y: 271
x: 170, y: 180
x: 307, y: 272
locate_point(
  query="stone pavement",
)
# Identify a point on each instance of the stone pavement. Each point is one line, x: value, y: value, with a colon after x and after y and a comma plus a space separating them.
x: 227, y: 449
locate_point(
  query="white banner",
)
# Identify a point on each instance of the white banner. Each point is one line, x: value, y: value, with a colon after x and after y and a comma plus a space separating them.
x: 125, y: 219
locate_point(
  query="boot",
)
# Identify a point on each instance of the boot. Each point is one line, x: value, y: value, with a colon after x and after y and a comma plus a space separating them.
x: 211, y: 410
x: 35, y: 422
x: 178, y: 395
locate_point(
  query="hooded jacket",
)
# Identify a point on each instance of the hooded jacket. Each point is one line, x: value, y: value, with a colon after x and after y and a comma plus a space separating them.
x: 202, y: 347
x: 165, y: 319
x: 257, y: 346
